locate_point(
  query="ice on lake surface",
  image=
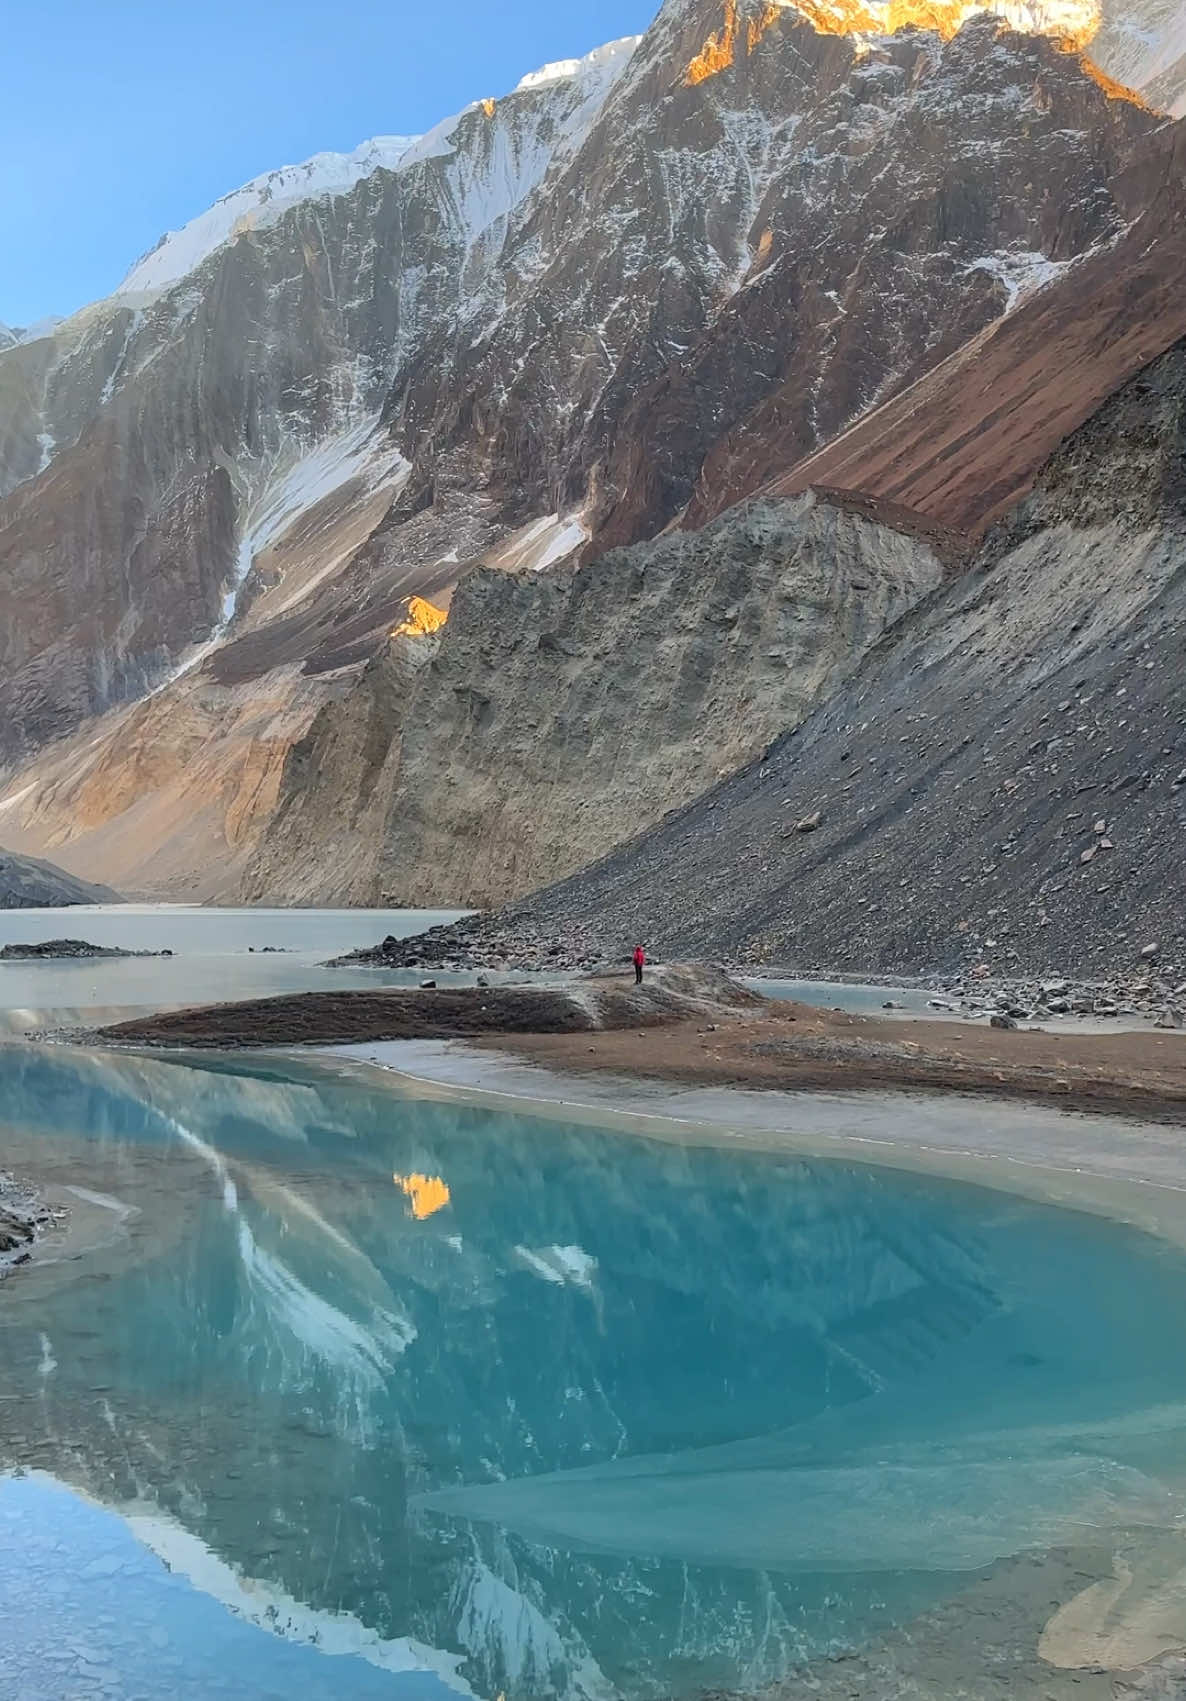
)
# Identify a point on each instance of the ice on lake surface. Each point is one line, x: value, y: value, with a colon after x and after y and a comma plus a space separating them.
x: 351, y: 1390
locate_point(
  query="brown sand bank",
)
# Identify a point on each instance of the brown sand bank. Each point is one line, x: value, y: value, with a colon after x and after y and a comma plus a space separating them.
x: 794, y: 1048
x: 681, y: 992
x: 691, y: 1025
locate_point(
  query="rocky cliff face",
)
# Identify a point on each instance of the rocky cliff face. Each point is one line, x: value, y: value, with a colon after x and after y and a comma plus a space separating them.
x: 26, y: 883
x: 537, y: 326
x: 163, y: 441
x: 1004, y: 777
x: 564, y: 712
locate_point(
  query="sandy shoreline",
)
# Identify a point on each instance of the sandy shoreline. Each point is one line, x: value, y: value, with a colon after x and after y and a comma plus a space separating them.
x: 692, y: 1026
x: 1134, y: 1172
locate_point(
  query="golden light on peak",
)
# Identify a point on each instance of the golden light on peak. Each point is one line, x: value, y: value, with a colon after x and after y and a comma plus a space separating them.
x: 421, y: 619
x: 1072, y: 25
x: 488, y: 108
x: 426, y: 1194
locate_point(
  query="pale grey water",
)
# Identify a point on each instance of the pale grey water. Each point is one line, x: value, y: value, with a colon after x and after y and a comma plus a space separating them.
x: 856, y: 997
x: 219, y: 954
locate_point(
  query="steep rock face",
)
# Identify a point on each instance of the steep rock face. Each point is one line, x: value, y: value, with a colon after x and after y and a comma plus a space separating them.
x: 324, y: 842
x: 834, y: 217
x: 351, y: 381
x: 963, y: 444
x: 896, y: 234
x: 26, y: 883
x: 564, y: 712
x: 1003, y: 779
x: 170, y: 795
x: 161, y: 441
x: 1143, y: 43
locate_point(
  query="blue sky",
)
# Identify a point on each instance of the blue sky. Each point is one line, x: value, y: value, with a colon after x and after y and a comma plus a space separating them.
x: 122, y: 120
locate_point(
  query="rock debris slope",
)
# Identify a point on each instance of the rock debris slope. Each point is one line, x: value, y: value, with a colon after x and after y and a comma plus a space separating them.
x: 29, y: 884
x: 651, y: 278
x: 562, y: 712
x: 1002, y: 780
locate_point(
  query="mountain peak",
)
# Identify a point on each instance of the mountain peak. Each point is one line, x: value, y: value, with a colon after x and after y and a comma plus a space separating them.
x: 1137, y: 48
x: 262, y: 201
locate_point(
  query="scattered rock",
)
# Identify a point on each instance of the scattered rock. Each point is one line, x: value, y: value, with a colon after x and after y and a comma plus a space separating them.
x: 999, y: 1021
x: 809, y: 823
x: 1149, y: 952
x: 59, y: 950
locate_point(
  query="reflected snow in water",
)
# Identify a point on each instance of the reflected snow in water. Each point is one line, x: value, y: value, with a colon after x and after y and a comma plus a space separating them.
x: 446, y: 1396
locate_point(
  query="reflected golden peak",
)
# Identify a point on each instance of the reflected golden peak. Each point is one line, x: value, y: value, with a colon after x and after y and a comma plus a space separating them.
x: 426, y: 1194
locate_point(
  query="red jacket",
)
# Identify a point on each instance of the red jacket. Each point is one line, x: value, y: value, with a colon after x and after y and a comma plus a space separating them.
x: 640, y: 957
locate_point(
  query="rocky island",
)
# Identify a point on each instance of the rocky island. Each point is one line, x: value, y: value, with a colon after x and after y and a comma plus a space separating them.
x: 67, y: 950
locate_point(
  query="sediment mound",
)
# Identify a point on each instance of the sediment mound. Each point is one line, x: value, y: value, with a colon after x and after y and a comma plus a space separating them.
x: 674, y: 994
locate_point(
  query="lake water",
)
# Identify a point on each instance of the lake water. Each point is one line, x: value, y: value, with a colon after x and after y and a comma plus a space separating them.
x: 359, y: 1393
x: 218, y: 954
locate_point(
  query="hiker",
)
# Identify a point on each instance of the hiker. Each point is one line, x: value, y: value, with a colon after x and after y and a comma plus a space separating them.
x: 640, y: 962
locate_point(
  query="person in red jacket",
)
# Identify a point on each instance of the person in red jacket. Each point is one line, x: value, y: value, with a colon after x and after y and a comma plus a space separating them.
x: 640, y: 963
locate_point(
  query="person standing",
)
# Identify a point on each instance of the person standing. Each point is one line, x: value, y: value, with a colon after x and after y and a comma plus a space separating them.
x: 640, y: 963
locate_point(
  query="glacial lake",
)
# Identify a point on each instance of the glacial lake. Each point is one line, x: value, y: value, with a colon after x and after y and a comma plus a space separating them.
x: 343, y: 1388
x: 217, y: 954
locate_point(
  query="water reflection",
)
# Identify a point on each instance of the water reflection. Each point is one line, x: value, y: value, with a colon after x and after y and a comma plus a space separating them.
x: 569, y: 1414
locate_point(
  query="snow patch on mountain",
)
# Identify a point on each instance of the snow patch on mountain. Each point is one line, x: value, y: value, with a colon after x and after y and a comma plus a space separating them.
x: 541, y: 543
x: 262, y: 201
x: 1021, y: 271
x: 1075, y: 20
x: 297, y: 480
x: 597, y: 71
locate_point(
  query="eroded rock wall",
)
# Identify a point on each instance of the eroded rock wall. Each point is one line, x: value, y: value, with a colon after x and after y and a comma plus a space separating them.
x: 562, y: 713
x: 1002, y: 780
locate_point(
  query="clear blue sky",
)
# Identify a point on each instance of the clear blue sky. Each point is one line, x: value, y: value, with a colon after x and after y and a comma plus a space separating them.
x: 121, y: 119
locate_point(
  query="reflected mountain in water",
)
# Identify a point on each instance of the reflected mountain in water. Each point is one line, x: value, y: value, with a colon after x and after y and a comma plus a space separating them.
x: 586, y: 1414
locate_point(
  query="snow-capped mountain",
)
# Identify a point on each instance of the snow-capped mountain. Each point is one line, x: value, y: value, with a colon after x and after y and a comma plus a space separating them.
x: 11, y: 335
x: 258, y: 203
x: 262, y: 201
x: 1139, y: 47
x: 549, y: 320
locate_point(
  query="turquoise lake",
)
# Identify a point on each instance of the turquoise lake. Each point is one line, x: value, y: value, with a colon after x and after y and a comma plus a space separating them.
x: 345, y: 1389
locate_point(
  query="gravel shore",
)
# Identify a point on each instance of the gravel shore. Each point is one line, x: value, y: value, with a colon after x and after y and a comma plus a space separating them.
x: 22, y: 1219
